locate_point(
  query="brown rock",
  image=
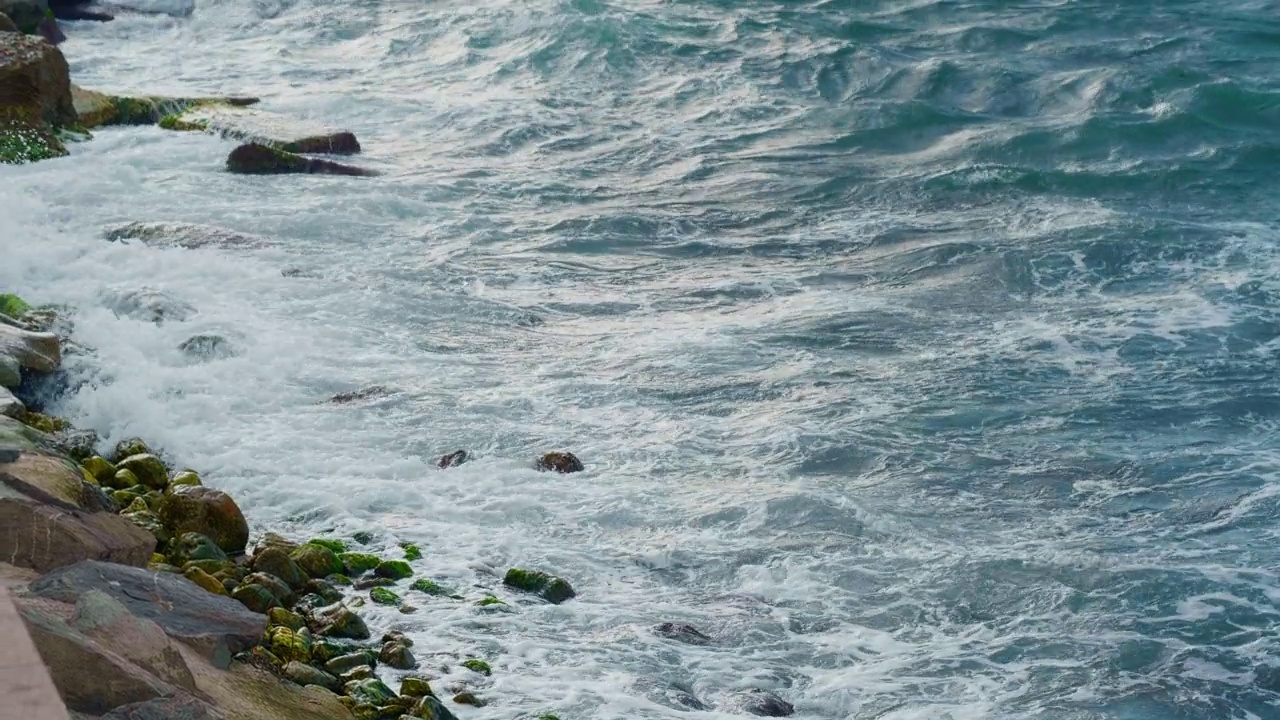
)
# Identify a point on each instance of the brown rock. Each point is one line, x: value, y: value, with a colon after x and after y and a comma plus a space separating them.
x: 245, y: 692
x: 254, y: 159
x: 561, y: 462
x: 44, y: 536
x: 192, y: 508
x: 30, y: 62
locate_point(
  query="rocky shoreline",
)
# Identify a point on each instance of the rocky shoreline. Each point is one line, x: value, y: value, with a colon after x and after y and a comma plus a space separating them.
x: 137, y: 570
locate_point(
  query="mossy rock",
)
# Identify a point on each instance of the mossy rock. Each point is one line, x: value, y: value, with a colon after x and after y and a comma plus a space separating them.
x: 430, y: 708
x: 393, y: 569
x: 284, y: 617
x: 123, y: 498
x: 275, y: 562
x: 255, y: 597
x: 489, y: 601
x: 383, y: 596
x: 324, y: 649
x: 48, y: 424
x: 148, y: 468
x: 337, y: 546
x: 210, y: 512
x: 217, y: 568
x: 478, y: 665
x: 318, y: 561
x: 357, y: 563
x: 552, y: 589
x: 415, y: 687
x: 102, y: 469
x: 185, y: 478
x: 339, y: 621
x: 364, y: 537
x: 411, y: 552
x: 467, y: 698
x: 174, y: 121
x: 430, y: 587
x: 194, y: 546
x: 370, y: 692
x: 339, y: 579
x: 13, y: 306
x: 324, y: 589
x: 126, y: 448
x: 206, y: 581
x: 289, y: 644
x: 135, y: 506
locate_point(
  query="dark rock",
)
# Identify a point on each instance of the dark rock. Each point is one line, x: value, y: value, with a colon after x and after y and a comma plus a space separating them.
x: 364, y: 537
x: 561, y: 462
x: 254, y: 159
x: 78, y: 11
x: 682, y: 632
x: 345, y: 663
x: 398, y: 656
x: 397, y: 636
x: 7, y: 25
x: 429, y: 708
x: 415, y: 687
x: 324, y: 589
x: 51, y: 31
x: 196, y: 547
x: 453, y: 459
x: 129, y: 447
x: 304, y: 674
x: 276, y: 562
x: 373, y: 391
x: 370, y: 692
x: 764, y: 703
x: 466, y: 698
x: 282, y: 592
x: 552, y: 589
x: 25, y: 15
x: 175, y: 707
x: 366, y: 583
x: 191, y: 508
x: 216, y: 626
x: 207, y: 347
x: 339, y: 621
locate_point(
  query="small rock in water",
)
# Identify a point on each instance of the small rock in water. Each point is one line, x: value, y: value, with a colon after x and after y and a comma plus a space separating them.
x: 453, y: 459
x: 415, y: 687
x: 561, y: 462
x: 207, y: 347
x: 149, y: 305
x: 254, y: 159
x: 397, y: 655
x: 373, y: 391
x: 552, y: 589
x: 184, y: 235
x: 466, y: 698
x: 682, y: 632
x: 765, y: 704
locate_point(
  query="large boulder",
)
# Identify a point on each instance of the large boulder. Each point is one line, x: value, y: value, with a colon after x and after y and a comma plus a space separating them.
x: 32, y: 350
x: 255, y: 159
x: 214, y: 625
x: 36, y: 88
x: 259, y: 127
x: 193, y: 508
x: 25, y: 14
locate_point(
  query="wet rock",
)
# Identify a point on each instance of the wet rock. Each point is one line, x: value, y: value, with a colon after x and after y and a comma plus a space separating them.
x: 357, y: 563
x: 369, y: 393
x: 318, y: 561
x: 763, y: 703
x: 682, y: 632
x: 205, y: 580
x: 282, y: 592
x: 207, y: 347
x: 304, y: 674
x: 283, y: 617
x: 267, y: 129
x: 561, y: 462
x: 393, y: 569
x: 124, y: 479
x: 77, y: 10
x: 325, y: 649
x: 383, y: 596
x: 194, y: 546
x: 552, y: 589
x: 274, y: 540
x: 370, y: 692
x: 35, y: 84
x: 216, y: 626
x: 467, y: 698
x: 184, y: 235
x: 337, y: 546
x: 289, y: 645
x: 415, y: 687
x: 397, y: 655
x: 206, y: 511
x: 453, y: 459
x: 411, y: 551
x: 37, y: 351
x: 100, y: 468
x: 365, y: 583
x: 129, y: 447
x: 149, y: 470
x: 24, y: 15
x: 186, y: 477
x: 10, y: 406
x: 363, y: 672
x: 324, y: 589
x: 477, y: 665
x: 275, y: 561
x: 148, y: 305
x: 76, y: 444
x: 346, y: 663
x: 429, y: 708
x: 255, y: 597
x: 430, y: 587
x: 338, y: 621
x: 262, y: 160
x: 364, y: 537
x: 96, y: 109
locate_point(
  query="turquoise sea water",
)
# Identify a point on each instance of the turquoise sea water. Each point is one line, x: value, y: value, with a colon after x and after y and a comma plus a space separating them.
x: 923, y: 353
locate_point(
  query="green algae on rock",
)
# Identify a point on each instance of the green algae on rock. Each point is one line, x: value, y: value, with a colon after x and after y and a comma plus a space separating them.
x: 552, y: 589
x: 430, y: 587
x: 317, y: 560
x: 100, y: 468
x: 478, y: 665
x: 12, y: 305
x: 148, y: 468
x: 264, y: 128
x: 370, y: 692
x: 204, y: 510
x: 393, y: 569
x: 336, y: 546
x: 359, y: 562
x: 186, y: 477
x: 488, y: 601
x: 411, y: 551
x: 383, y: 596
x: 415, y: 687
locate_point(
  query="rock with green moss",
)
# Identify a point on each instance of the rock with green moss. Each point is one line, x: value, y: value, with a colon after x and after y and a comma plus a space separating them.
x: 318, y: 561
x: 339, y: 621
x: 478, y: 665
x: 430, y: 708
x: 255, y: 597
x: 552, y: 589
x: 148, y: 468
x: 393, y: 569
x: 415, y: 687
x: 252, y: 125
x: 489, y: 601
x: 254, y: 159
x: 13, y: 306
x: 96, y: 109
x: 383, y: 596
x: 337, y: 546
x: 276, y: 562
x: 194, y: 546
x: 284, y: 617
x: 370, y: 692
x: 186, y: 477
x: 282, y: 592
x: 430, y: 587
x: 411, y: 552
x: 128, y: 447
x: 289, y: 644
x: 101, y: 469
x: 148, y: 521
x: 339, y: 579
x: 206, y: 581
x: 325, y: 649
x: 357, y: 563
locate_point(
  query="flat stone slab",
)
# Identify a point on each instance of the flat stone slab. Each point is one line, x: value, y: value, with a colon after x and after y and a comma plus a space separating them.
x: 252, y: 125
x: 215, y: 625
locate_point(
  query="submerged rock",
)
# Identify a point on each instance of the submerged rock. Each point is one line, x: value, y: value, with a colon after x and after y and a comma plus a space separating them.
x: 373, y: 391
x: 393, y: 569
x: 207, y: 347
x: 267, y: 129
x: 477, y: 665
x: 552, y: 589
x: 682, y: 632
x: 184, y: 235
x: 96, y: 109
x: 763, y: 703
x: 561, y: 462
x: 262, y: 160
x: 148, y: 305
x: 467, y: 698
x: 453, y: 459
